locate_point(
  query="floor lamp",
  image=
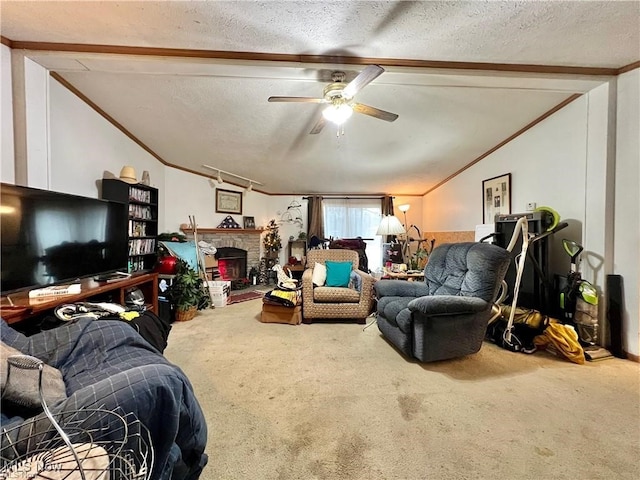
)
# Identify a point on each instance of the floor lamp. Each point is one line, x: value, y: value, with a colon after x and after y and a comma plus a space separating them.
x: 390, y: 225
x: 406, y: 252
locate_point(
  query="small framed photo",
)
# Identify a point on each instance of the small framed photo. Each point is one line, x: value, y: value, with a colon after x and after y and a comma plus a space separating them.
x: 249, y: 223
x: 228, y: 201
x: 496, y: 195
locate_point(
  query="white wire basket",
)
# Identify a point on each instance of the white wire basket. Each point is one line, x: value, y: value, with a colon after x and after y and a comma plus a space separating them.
x: 84, y: 444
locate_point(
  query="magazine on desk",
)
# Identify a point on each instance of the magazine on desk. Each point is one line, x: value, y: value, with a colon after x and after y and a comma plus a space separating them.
x: 55, y: 291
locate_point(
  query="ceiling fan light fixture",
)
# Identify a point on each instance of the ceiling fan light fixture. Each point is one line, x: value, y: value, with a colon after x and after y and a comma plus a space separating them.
x: 338, y: 113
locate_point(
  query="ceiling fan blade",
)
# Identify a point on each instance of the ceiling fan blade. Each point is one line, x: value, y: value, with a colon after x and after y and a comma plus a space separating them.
x: 317, y: 128
x: 297, y: 99
x: 374, y: 112
x: 365, y: 77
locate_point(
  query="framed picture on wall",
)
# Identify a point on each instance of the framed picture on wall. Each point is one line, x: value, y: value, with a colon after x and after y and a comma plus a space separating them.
x: 496, y: 197
x: 228, y: 201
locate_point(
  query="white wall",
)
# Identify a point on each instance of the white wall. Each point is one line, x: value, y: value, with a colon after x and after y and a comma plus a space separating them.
x: 7, y: 161
x: 193, y: 195
x: 85, y: 147
x: 547, y: 166
x: 414, y: 214
x: 627, y: 205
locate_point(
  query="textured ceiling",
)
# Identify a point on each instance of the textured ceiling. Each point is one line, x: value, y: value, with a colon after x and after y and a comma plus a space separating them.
x: 194, y: 111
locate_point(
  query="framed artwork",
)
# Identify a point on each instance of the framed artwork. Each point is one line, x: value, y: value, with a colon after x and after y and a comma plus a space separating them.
x: 249, y: 223
x: 228, y: 201
x: 496, y: 196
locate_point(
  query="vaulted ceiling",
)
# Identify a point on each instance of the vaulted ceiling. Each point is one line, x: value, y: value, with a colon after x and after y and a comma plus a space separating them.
x: 190, y: 80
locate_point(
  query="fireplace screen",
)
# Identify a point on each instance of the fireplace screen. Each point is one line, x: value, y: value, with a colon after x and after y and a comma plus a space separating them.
x: 232, y: 263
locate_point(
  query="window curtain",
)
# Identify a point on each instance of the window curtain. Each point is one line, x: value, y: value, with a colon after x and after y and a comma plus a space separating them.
x: 352, y: 218
x: 387, y: 209
x: 315, y: 218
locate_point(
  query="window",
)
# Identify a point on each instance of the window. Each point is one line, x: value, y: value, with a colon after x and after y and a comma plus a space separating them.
x: 351, y: 218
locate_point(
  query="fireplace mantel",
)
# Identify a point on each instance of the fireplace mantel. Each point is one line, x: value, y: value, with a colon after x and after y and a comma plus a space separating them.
x: 187, y: 229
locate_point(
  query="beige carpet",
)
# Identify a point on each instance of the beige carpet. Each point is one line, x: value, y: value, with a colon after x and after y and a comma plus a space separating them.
x: 331, y: 401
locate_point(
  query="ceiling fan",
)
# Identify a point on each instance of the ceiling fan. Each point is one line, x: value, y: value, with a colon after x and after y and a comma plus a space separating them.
x: 339, y: 97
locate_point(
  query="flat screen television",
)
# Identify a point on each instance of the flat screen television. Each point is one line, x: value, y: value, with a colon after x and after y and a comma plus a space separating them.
x: 50, y: 238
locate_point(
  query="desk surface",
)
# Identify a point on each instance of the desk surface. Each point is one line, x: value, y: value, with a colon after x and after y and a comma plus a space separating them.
x: 18, y: 306
x: 402, y: 275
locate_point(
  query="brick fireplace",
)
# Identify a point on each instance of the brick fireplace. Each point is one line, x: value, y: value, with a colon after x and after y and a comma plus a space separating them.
x: 231, y: 238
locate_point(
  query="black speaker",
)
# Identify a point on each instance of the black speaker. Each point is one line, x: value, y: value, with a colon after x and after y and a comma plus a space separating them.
x: 534, y: 291
x: 614, y: 314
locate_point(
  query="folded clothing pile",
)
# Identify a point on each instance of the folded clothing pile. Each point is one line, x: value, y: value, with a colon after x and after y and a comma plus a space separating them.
x: 283, y: 298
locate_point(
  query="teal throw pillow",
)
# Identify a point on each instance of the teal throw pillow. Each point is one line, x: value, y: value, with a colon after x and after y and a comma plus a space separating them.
x: 338, y: 274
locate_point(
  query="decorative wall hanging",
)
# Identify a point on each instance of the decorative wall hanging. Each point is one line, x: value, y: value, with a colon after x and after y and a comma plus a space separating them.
x: 293, y: 214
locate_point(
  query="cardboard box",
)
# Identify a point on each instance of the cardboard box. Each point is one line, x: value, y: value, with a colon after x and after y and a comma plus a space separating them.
x: 280, y: 314
x: 220, y: 291
x: 210, y: 261
x: 210, y: 267
x: 219, y: 300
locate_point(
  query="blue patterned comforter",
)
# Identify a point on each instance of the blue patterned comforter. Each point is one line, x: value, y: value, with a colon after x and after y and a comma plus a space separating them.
x: 107, y: 364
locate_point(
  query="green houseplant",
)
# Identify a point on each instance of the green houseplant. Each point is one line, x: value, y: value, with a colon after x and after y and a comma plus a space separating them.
x: 188, y: 292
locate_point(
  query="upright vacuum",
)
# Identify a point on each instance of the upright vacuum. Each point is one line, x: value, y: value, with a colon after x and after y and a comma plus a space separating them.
x: 579, y: 305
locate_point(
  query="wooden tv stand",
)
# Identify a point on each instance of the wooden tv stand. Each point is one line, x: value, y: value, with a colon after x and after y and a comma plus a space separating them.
x: 18, y: 306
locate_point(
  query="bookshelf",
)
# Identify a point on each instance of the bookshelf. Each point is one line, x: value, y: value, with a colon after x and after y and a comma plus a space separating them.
x: 142, y: 203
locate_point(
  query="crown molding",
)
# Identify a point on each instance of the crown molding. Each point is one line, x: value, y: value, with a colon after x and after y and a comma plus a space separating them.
x: 322, y: 59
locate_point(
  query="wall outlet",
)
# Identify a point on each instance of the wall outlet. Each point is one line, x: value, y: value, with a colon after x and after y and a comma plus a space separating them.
x: 531, y: 206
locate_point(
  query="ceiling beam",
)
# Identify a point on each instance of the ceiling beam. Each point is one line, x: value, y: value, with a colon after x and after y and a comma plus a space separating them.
x: 320, y: 59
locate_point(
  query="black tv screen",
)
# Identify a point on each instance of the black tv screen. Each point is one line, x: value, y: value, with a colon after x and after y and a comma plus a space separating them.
x: 50, y: 237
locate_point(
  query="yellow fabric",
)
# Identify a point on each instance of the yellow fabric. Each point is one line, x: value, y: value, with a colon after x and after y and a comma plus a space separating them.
x: 565, y: 340
x: 531, y: 317
x: 291, y: 296
x: 129, y: 315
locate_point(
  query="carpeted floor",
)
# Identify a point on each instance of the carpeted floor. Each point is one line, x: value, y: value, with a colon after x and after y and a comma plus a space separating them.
x: 331, y: 401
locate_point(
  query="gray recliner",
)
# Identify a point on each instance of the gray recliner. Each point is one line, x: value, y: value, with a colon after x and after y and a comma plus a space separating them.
x: 446, y: 315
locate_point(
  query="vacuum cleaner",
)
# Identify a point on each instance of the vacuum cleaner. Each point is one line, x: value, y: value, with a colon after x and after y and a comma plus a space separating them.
x: 579, y: 304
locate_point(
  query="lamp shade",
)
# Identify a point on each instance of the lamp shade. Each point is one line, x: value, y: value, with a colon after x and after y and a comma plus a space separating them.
x: 390, y: 225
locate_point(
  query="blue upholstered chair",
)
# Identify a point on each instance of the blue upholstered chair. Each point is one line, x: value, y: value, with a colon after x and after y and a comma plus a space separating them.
x: 446, y: 315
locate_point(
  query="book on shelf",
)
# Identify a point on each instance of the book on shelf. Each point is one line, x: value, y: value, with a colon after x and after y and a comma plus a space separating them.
x: 55, y: 290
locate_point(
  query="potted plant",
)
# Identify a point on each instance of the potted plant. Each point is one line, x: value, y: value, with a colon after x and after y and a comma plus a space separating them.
x: 188, y: 292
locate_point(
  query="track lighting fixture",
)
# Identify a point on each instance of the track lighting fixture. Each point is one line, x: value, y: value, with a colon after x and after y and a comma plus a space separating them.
x: 220, y: 172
